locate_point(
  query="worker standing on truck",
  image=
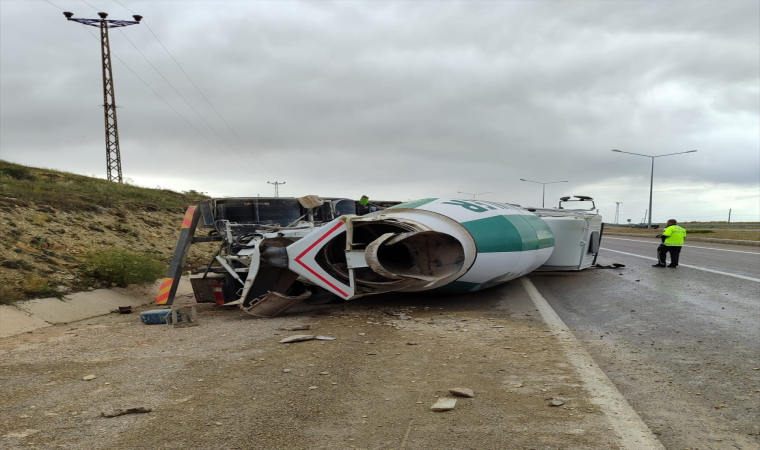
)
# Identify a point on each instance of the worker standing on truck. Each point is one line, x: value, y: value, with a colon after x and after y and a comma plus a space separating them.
x: 672, y: 242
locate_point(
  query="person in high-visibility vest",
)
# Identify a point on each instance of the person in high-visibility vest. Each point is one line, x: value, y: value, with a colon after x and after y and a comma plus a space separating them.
x: 672, y: 242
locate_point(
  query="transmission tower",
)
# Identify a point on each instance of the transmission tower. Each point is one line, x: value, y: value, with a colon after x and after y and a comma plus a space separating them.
x: 617, y: 210
x: 113, y: 154
x: 276, y: 187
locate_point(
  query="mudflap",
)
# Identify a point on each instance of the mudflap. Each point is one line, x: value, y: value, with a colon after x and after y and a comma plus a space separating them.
x: 273, y: 303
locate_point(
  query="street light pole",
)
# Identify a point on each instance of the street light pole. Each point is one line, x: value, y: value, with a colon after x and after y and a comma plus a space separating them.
x: 651, y: 177
x: 543, y: 189
x: 473, y: 195
x: 113, y: 152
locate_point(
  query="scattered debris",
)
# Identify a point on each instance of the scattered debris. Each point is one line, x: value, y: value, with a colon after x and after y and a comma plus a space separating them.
x: 401, y: 316
x: 720, y: 406
x: 311, y: 388
x: 125, y: 309
x: 444, y: 404
x: 121, y: 412
x: 325, y: 338
x: 297, y: 338
x: 412, y: 343
x: 556, y: 402
x: 462, y: 392
x: 324, y: 373
x: 518, y: 385
x: 496, y: 326
x: 370, y: 353
x: 88, y: 377
x: 285, y: 370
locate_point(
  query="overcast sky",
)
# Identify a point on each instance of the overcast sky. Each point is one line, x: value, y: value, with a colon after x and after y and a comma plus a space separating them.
x: 400, y: 100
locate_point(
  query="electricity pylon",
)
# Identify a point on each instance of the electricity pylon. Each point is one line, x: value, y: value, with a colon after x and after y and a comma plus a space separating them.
x: 113, y: 153
x: 276, y: 187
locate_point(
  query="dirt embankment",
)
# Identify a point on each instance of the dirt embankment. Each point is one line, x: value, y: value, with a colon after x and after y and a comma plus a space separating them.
x: 42, y: 248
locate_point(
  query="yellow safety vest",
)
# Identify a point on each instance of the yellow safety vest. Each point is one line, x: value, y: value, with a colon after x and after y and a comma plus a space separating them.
x: 674, y: 236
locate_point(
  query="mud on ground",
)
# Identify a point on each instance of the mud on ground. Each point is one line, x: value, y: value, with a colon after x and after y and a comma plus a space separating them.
x: 222, y: 384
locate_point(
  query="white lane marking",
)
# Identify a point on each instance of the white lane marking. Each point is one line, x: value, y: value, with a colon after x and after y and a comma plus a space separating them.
x: 632, y: 431
x: 686, y: 265
x: 689, y: 246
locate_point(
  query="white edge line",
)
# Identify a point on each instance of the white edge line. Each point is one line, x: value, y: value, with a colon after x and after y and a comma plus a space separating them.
x: 688, y: 246
x: 633, y: 432
x: 686, y: 265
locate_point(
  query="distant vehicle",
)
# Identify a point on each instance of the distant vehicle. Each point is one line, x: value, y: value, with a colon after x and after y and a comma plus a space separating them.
x: 644, y: 225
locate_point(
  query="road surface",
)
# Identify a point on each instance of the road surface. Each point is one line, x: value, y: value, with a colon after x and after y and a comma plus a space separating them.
x: 682, y: 345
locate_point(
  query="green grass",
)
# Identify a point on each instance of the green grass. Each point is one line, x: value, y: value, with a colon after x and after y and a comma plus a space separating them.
x: 122, y: 267
x: 70, y: 192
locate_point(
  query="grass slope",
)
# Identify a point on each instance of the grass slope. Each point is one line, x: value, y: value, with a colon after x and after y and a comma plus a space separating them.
x: 52, y: 223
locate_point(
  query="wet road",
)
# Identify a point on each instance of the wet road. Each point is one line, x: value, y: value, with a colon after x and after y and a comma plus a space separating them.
x: 682, y: 345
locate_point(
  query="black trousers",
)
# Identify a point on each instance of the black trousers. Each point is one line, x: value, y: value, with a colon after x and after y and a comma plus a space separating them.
x: 675, y: 253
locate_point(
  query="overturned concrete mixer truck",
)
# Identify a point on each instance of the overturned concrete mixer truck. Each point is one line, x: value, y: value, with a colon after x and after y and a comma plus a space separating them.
x: 275, y: 252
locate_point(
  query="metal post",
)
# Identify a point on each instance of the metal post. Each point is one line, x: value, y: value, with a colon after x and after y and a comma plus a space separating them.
x: 543, y: 194
x: 651, y: 179
x: 617, y: 211
x: 543, y: 188
x: 276, y: 187
x: 729, y: 215
x: 113, y: 152
x: 651, y: 185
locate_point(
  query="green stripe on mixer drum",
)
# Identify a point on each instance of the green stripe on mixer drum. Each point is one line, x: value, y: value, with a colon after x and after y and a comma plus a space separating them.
x: 511, y: 233
x: 414, y: 204
x: 543, y: 232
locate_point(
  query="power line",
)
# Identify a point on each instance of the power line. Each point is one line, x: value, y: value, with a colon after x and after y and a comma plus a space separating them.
x: 188, y: 103
x: 167, y: 103
x: 55, y: 5
x: 199, y: 90
x: 156, y: 93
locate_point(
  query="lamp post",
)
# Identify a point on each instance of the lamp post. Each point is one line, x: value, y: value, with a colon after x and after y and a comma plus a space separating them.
x: 473, y: 195
x: 651, y: 178
x: 543, y: 189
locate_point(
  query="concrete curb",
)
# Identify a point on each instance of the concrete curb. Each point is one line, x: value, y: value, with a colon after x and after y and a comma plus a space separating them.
x: 30, y: 315
x: 691, y: 239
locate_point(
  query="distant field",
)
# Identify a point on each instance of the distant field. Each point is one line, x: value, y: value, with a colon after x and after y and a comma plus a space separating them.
x: 717, y: 233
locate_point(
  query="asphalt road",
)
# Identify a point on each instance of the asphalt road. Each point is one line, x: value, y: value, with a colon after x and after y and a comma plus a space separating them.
x: 682, y: 345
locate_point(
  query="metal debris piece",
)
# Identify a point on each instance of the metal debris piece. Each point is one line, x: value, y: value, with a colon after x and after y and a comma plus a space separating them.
x: 325, y: 338
x: 556, y: 402
x: 463, y: 392
x: 121, y: 412
x: 444, y: 404
x: 297, y: 338
x: 88, y: 377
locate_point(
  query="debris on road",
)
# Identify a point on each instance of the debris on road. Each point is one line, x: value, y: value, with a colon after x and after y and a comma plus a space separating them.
x: 297, y: 338
x: 325, y: 338
x: 298, y: 328
x: 463, y: 392
x: 88, y: 377
x: 121, y: 412
x: 444, y: 404
x: 556, y: 402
